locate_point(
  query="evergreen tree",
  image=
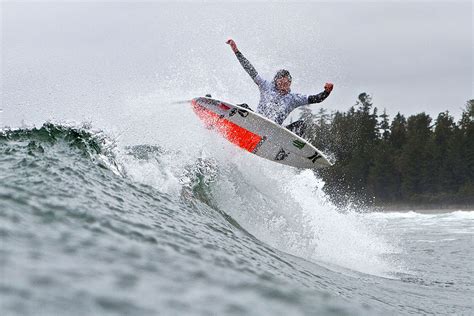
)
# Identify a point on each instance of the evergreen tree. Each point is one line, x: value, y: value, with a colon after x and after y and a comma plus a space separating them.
x: 353, y: 137
x: 445, y: 154
x: 383, y: 181
x: 466, y: 131
x: 398, y: 132
x: 415, y: 156
x: 322, y: 129
x: 366, y: 133
x: 384, y: 126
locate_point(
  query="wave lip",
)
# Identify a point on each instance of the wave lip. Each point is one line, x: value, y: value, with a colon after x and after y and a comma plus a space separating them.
x: 92, y: 144
x: 50, y: 133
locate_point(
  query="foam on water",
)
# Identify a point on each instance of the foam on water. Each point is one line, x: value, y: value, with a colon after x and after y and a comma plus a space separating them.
x: 287, y: 209
x: 455, y: 215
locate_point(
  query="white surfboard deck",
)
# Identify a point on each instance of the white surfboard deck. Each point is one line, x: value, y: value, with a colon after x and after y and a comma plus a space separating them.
x: 258, y: 135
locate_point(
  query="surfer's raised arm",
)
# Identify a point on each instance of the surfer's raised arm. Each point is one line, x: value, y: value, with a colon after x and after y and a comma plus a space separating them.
x: 320, y: 97
x: 243, y: 61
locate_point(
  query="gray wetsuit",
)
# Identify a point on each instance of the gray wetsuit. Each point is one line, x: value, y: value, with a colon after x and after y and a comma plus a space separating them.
x: 273, y: 104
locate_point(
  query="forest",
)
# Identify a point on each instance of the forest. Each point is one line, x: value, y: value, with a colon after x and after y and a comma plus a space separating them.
x: 415, y: 160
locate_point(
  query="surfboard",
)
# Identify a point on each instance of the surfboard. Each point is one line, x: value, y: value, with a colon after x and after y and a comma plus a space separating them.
x: 257, y: 134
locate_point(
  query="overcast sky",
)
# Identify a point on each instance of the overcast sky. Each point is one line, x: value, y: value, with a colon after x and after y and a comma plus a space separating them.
x: 80, y: 61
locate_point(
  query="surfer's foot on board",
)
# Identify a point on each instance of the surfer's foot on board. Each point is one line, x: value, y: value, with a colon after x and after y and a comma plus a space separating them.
x: 297, y: 127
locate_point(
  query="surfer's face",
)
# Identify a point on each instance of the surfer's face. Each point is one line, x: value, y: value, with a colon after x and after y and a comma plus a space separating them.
x: 283, y: 85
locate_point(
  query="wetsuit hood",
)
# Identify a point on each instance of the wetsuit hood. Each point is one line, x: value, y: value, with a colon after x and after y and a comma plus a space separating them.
x: 281, y: 74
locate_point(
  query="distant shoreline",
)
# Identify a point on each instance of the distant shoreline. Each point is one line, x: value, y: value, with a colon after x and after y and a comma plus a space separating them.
x: 424, y: 208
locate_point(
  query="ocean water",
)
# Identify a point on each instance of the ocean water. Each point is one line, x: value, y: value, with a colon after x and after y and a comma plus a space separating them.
x: 93, y: 224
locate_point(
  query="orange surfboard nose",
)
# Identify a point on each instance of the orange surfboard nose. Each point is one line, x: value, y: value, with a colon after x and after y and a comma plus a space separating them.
x: 234, y: 133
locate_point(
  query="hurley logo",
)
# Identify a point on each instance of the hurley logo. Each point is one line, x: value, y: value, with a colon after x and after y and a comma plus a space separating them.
x: 315, y: 157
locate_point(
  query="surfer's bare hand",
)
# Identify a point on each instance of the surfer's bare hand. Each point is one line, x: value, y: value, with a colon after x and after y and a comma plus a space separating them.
x: 232, y: 45
x: 328, y: 87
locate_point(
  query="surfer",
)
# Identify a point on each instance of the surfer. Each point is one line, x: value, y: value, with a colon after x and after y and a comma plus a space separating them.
x: 276, y: 98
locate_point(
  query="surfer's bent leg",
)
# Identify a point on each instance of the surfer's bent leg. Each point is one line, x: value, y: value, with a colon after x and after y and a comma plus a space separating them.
x: 297, y: 127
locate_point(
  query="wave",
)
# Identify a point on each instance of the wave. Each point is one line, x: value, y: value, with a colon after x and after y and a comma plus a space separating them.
x: 175, y: 219
x: 281, y: 206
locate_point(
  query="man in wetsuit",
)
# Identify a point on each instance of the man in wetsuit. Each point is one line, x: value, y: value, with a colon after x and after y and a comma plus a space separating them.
x: 276, y: 98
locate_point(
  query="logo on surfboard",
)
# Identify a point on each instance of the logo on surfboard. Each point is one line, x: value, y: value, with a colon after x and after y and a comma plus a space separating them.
x: 281, y: 155
x: 315, y: 157
x: 241, y: 112
x: 298, y: 144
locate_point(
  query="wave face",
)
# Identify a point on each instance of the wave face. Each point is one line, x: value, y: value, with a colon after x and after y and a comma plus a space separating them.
x: 89, y: 226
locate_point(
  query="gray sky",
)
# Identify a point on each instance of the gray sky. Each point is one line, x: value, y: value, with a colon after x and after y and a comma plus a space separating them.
x: 86, y: 61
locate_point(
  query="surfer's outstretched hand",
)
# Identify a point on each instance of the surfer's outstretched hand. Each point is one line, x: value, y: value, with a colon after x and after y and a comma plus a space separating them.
x: 328, y: 87
x: 232, y: 45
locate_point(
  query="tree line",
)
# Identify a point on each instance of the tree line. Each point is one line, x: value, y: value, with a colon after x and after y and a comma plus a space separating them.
x: 414, y: 160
